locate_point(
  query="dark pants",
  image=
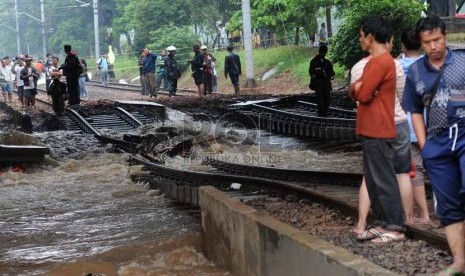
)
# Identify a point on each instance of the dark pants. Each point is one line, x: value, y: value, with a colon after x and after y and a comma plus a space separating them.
x: 172, y: 85
x: 208, y: 83
x: 161, y: 76
x: 381, y: 182
x: 73, y: 90
x: 142, y: 84
x: 150, y: 83
x: 58, y: 104
x: 444, y: 157
x: 323, y: 98
x: 47, y: 84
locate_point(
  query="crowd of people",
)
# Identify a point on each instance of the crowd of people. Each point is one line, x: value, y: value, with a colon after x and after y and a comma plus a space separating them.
x: 23, y: 74
x: 423, y: 91
x: 155, y: 69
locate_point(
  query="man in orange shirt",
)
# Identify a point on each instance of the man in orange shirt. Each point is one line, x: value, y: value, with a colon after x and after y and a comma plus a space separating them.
x: 375, y: 91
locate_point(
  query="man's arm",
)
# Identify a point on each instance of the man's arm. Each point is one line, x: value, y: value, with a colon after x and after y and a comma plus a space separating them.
x: 371, y: 79
x: 419, y: 128
x: 226, y: 66
x: 239, y: 64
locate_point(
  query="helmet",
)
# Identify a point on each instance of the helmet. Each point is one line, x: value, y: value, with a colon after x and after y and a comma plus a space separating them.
x: 203, y: 47
x: 171, y: 48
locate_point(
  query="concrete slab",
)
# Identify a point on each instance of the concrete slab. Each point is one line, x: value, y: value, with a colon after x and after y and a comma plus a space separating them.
x: 20, y: 153
x: 246, y: 242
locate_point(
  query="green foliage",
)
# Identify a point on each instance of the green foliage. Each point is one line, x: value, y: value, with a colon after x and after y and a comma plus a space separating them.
x: 401, y: 14
x: 181, y: 37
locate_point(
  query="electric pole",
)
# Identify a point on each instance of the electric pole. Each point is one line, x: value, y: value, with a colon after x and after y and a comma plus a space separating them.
x: 247, y: 33
x: 96, y: 29
x: 17, y: 27
x: 42, y: 17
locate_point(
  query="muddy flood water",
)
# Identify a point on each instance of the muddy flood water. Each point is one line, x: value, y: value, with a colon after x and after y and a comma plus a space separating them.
x: 79, y: 213
x: 88, y: 210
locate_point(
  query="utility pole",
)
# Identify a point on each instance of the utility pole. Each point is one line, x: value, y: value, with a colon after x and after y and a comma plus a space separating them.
x: 96, y: 29
x: 247, y: 32
x: 17, y: 27
x: 42, y: 17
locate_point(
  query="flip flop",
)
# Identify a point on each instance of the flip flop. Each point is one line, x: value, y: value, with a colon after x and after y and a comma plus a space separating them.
x: 389, y: 238
x: 450, y: 272
x: 364, y: 236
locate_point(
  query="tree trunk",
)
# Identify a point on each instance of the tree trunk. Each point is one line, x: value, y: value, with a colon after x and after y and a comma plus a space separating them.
x: 329, y: 24
x: 297, y: 36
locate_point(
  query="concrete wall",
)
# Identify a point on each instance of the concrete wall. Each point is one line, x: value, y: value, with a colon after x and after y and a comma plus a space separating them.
x: 246, y: 242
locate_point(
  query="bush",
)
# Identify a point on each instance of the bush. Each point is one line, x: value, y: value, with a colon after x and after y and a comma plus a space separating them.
x: 401, y: 15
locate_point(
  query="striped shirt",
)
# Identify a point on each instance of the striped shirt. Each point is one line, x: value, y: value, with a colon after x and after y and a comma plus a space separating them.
x: 357, y: 71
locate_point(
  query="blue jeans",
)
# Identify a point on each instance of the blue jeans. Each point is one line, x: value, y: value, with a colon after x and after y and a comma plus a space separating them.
x: 7, y: 87
x: 82, y: 87
x: 104, y: 77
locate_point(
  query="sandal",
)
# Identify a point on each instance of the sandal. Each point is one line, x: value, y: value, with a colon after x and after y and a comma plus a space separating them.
x: 389, y: 238
x: 364, y: 236
x: 450, y: 272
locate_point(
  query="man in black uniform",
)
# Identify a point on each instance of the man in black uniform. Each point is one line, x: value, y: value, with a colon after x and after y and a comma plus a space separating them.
x: 172, y: 71
x: 321, y: 73
x: 232, y: 66
x: 72, y: 70
x: 197, y: 69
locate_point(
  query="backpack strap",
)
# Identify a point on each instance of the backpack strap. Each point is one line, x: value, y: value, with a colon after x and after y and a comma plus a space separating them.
x: 432, y: 93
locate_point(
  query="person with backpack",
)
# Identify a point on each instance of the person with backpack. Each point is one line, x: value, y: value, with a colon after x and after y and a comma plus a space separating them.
x: 103, y: 65
x: 72, y: 69
x: 232, y: 67
x: 82, y: 80
x: 208, y: 65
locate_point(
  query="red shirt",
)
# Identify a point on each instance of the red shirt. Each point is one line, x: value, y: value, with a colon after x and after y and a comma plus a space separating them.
x: 375, y: 113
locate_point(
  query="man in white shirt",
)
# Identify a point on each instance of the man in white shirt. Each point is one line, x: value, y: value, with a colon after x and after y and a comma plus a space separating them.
x: 6, y: 80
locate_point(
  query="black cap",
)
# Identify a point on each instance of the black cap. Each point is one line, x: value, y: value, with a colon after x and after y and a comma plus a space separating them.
x: 28, y: 59
x: 67, y: 48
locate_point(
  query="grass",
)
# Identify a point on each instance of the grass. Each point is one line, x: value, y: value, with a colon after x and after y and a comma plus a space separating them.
x: 457, y: 37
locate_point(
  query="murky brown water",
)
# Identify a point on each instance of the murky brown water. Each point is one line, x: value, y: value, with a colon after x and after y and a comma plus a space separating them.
x: 55, y: 215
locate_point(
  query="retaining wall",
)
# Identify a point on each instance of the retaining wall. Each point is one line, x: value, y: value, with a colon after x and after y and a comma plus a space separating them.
x: 246, y: 242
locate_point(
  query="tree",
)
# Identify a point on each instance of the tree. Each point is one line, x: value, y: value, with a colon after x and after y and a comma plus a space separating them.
x: 283, y: 16
x: 401, y: 14
x: 181, y: 37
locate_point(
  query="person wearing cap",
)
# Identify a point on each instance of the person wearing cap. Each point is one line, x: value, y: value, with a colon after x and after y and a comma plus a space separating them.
x: 172, y: 71
x: 30, y: 75
x: 208, y: 67
x: 6, y: 80
x: 72, y: 69
x: 197, y: 69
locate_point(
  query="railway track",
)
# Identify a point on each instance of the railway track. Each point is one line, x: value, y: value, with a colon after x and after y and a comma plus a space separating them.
x: 137, y: 88
x: 297, y: 118
x: 336, y: 190
x: 124, y: 118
